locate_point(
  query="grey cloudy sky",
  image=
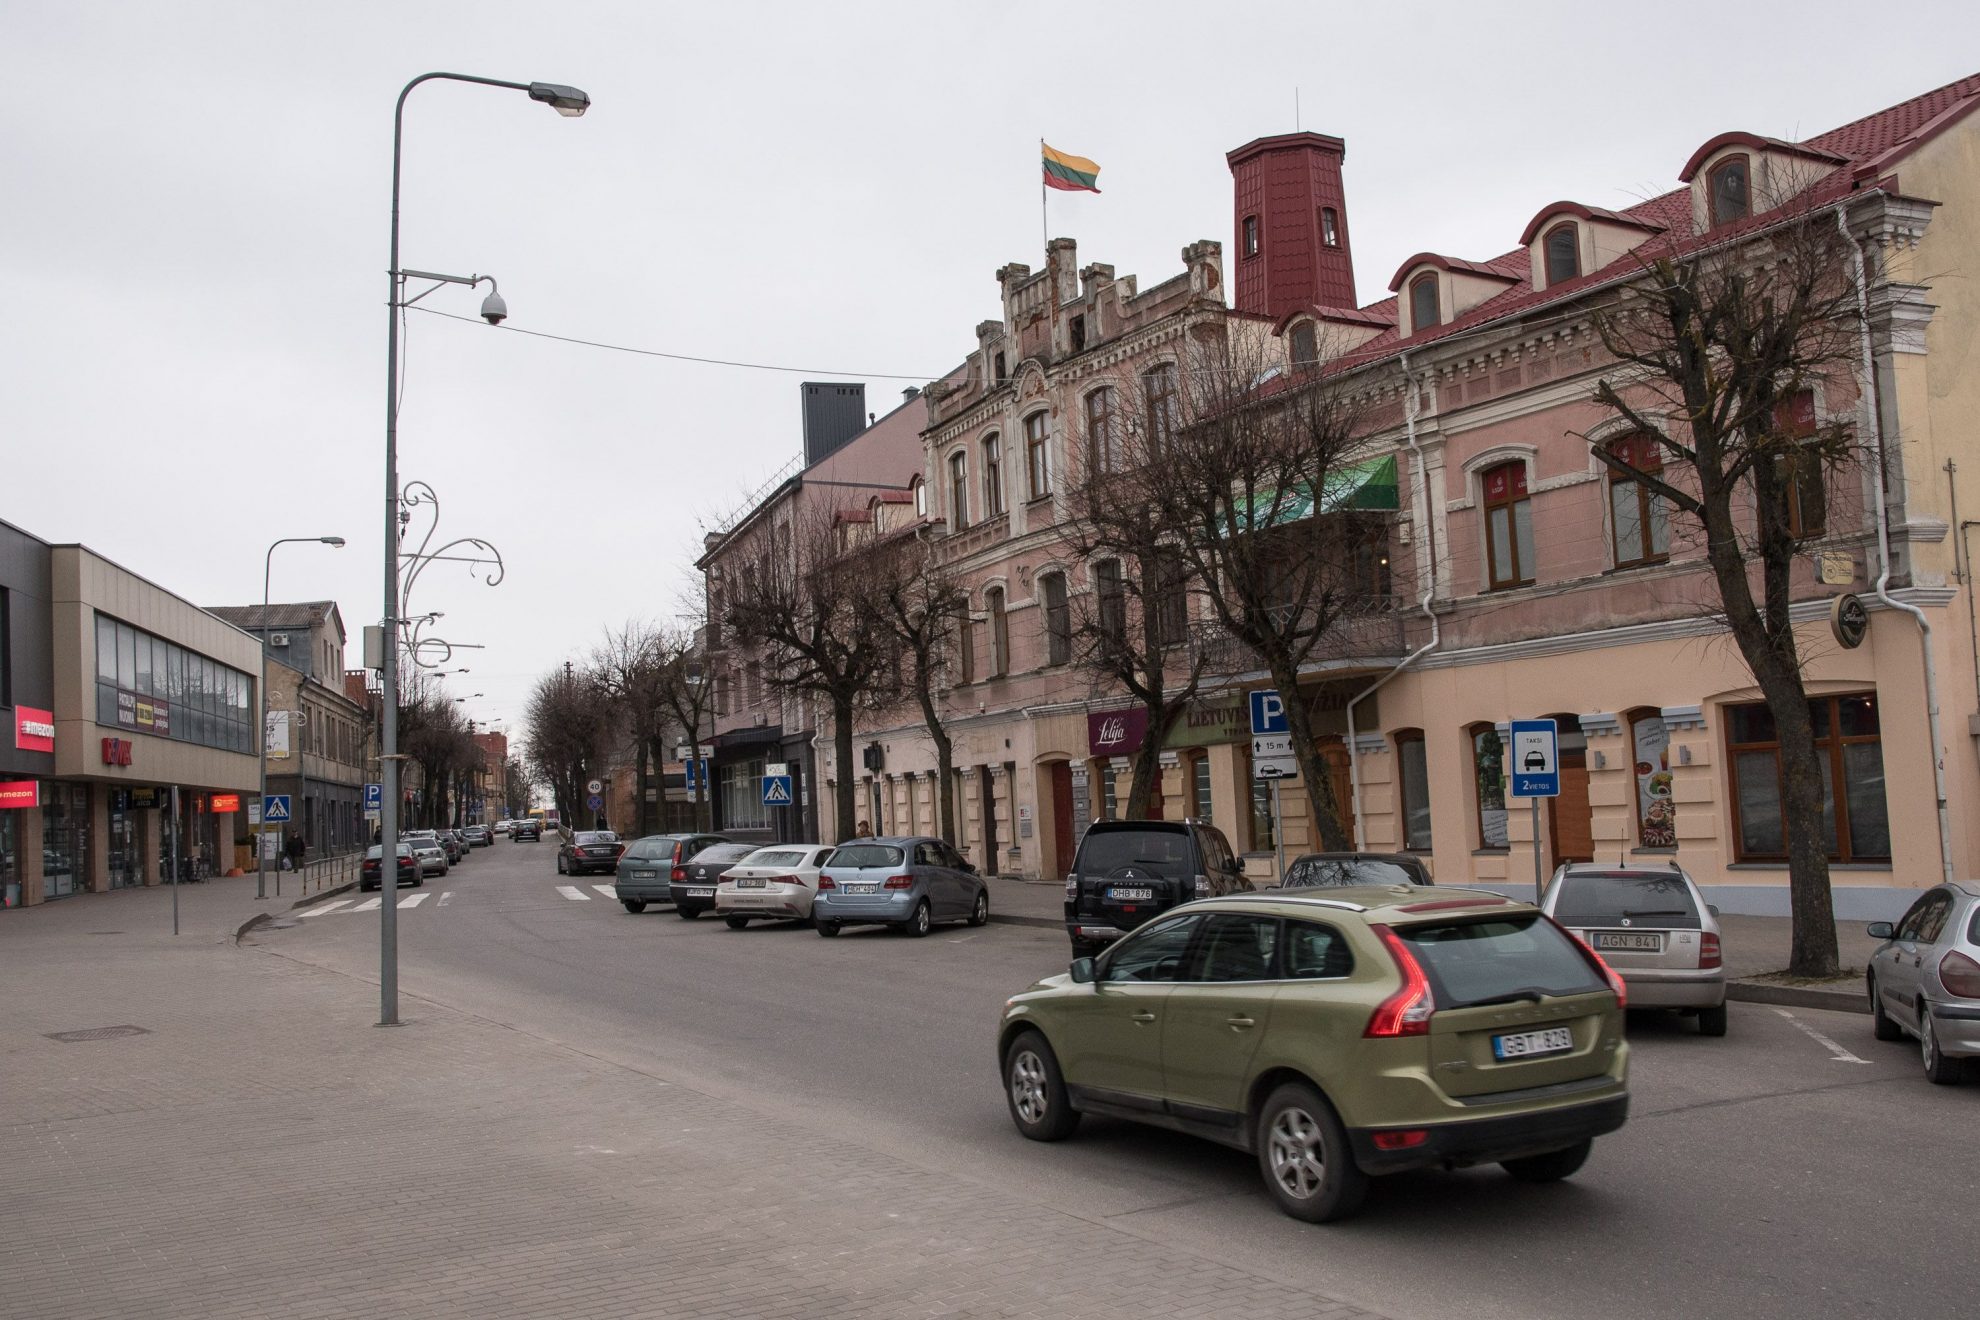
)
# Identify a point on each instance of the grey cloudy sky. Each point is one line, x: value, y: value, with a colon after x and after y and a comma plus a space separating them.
x: 194, y: 236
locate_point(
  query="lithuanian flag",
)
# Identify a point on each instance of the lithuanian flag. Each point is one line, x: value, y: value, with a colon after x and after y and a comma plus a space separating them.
x: 1069, y: 173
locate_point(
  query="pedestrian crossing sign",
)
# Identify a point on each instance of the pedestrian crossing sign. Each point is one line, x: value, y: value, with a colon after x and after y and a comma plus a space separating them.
x: 776, y: 790
x: 275, y: 809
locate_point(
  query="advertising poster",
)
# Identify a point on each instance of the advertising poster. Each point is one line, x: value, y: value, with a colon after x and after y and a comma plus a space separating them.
x: 1656, y: 812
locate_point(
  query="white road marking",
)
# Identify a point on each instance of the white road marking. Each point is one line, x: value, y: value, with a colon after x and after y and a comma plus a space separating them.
x: 367, y: 905
x: 327, y: 907
x: 572, y: 891
x: 607, y: 890
x: 445, y: 894
x: 1841, y: 1055
x: 412, y: 900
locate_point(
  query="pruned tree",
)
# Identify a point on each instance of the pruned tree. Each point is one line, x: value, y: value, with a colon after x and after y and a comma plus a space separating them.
x: 1718, y: 357
x: 689, y: 691
x: 630, y: 668
x: 801, y: 601
x: 922, y: 606
x: 567, y: 719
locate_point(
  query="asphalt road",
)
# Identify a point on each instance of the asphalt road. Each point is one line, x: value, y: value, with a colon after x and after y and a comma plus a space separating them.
x: 1796, y: 1167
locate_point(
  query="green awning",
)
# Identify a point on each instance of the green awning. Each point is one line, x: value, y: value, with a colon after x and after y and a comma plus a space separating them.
x: 1371, y: 485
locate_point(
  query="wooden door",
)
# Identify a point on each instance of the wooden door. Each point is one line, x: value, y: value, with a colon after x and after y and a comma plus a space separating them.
x: 1062, y: 818
x: 1340, y: 778
x: 1569, y: 818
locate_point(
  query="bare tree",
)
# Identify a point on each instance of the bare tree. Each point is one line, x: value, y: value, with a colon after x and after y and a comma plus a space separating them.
x: 1252, y: 477
x: 567, y: 719
x: 1718, y: 357
x: 630, y: 667
x: 922, y: 605
x: 689, y: 691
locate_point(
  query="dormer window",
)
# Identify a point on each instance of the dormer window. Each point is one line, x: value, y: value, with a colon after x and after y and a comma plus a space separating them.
x: 1330, y: 227
x: 1563, y: 252
x: 1423, y: 302
x: 1003, y: 372
x: 1728, y: 192
x: 1305, y: 346
x: 1077, y: 333
x: 1251, y: 236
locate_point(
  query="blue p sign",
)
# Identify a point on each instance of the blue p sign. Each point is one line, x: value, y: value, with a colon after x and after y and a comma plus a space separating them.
x: 1268, y: 712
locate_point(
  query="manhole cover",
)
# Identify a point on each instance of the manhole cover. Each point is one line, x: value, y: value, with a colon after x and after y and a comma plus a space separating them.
x: 96, y: 1033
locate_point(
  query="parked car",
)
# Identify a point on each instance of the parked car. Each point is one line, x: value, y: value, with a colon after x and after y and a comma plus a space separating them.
x: 1653, y: 926
x: 1127, y: 872
x: 589, y: 851
x: 370, y: 872
x: 1335, y: 1038
x: 1925, y: 979
x: 909, y: 882
x: 1339, y: 869
x: 773, y: 883
x: 692, y: 883
x: 478, y: 836
x: 504, y: 826
x: 432, y: 854
x: 451, y: 845
x: 526, y: 829
x: 649, y: 866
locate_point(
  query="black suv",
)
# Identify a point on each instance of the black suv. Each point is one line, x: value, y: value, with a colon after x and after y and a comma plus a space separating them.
x: 1129, y: 871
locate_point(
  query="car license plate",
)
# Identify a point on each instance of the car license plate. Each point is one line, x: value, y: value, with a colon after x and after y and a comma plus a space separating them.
x: 862, y: 889
x: 749, y: 884
x: 1635, y: 941
x: 1130, y: 893
x: 701, y: 893
x: 1532, y: 1044
x: 642, y: 875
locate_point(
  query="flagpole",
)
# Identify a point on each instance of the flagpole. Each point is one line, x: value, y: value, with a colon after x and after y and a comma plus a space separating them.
x: 1044, y: 224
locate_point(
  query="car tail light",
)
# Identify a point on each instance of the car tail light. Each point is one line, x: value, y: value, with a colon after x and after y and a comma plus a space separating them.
x: 621, y: 852
x: 1401, y: 1139
x: 785, y: 880
x: 1407, y: 1011
x: 1960, y: 975
x: 826, y: 882
x: 677, y: 874
x: 1708, y: 951
x: 1072, y: 888
x: 899, y: 882
x: 1203, y: 886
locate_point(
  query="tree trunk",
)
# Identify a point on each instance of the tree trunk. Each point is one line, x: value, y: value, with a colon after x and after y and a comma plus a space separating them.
x: 842, y: 750
x: 945, y: 809
x: 1319, y: 784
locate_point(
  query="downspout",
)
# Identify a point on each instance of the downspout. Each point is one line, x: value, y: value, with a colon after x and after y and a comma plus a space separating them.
x: 1411, y: 408
x: 1873, y: 415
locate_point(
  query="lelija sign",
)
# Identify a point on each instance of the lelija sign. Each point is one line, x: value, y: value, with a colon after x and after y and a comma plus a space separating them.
x: 34, y: 730
x: 19, y: 793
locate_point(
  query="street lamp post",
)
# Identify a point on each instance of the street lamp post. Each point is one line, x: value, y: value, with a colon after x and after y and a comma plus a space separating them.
x: 261, y: 803
x: 568, y: 101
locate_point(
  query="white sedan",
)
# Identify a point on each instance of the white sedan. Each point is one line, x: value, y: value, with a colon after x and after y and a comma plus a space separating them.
x: 776, y: 883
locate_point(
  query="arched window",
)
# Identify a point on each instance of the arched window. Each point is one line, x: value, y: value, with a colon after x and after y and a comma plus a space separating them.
x: 1650, y: 752
x: 1413, y: 789
x: 1159, y: 391
x: 1727, y: 193
x: 1000, y: 632
x: 959, y: 490
x: 1562, y: 247
x: 1423, y: 302
x: 1305, y: 346
x: 919, y: 489
x: 1330, y: 227
x: 1640, y: 522
x: 1037, y: 457
x: 1508, y: 526
x: 1058, y: 619
x: 1488, y: 775
x: 993, y: 475
x: 1102, y: 442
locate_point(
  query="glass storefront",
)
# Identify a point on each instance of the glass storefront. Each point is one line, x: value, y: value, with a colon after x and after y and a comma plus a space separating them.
x: 10, y: 864
x: 64, y: 840
x: 121, y: 847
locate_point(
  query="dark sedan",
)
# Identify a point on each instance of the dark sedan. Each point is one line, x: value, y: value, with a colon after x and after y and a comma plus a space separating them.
x: 588, y: 851
x: 1336, y: 870
x: 526, y: 829
x: 693, y: 885
x: 369, y: 876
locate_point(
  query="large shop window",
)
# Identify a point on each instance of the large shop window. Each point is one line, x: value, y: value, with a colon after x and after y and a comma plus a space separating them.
x: 1656, y: 809
x: 148, y: 685
x: 1413, y: 785
x: 1848, y: 742
x: 1200, y: 804
x: 742, y: 797
x: 1488, y: 772
x: 64, y: 839
x: 1508, y: 526
x: 1263, y: 838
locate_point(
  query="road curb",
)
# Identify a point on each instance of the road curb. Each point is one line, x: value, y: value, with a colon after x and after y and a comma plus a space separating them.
x: 1043, y: 923
x: 262, y: 918
x: 1796, y: 996
x: 258, y: 919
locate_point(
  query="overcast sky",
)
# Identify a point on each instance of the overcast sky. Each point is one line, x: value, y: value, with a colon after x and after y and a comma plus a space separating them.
x: 194, y: 236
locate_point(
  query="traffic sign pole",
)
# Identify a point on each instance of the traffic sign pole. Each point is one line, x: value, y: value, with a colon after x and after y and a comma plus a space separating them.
x: 1536, y: 773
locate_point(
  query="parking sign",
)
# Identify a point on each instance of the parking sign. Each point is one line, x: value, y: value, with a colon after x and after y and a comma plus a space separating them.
x: 1536, y: 761
x: 1268, y: 712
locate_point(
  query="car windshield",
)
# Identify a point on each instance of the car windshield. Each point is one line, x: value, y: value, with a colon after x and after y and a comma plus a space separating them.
x: 1332, y: 872
x: 1165, y: 852
x: 595, y: 836
x: 1626, y: 898
x: 724, y: 852
x: 863, y: 855
x: 775, y: 857
x: 1479, y: 962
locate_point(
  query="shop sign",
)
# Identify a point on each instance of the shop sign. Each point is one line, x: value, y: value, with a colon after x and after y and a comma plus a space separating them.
x: 145, y: 714
x: 20, y: 793
x: 34, y: 730
x: 146, y: 798
x: 226, y: 802
x: 116, y: 751
x: 1116, y: 732
x: 1207, y: 723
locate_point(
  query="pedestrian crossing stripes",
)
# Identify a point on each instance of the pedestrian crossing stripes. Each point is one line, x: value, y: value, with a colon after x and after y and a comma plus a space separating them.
x: 344, y: 907
x: 572, y: 891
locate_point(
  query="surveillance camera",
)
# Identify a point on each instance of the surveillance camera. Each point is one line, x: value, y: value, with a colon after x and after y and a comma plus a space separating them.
x: 494, y: 310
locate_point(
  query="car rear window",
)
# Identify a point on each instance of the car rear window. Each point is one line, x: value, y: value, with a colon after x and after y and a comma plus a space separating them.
x: 1626, y: 898
x: 1165, y: 852
x: 776, y: 857
x: 1475, y: 962
x: 724, y: 852
x: 865, y: 855
x: 1330, y: 872
x: 595, y: 836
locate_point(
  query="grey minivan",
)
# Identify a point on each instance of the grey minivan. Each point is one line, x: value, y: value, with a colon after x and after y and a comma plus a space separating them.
x: 1925, y: 980
x: 909, y: 882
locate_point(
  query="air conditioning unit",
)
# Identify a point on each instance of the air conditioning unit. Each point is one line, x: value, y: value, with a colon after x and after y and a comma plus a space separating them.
x: 278, y: 639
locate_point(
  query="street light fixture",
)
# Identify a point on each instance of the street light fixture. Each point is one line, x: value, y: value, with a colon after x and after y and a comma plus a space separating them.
x: 261, y: 686
x: 568, y: 101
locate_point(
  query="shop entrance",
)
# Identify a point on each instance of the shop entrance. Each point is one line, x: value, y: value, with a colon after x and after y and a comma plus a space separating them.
x: 64, y: 840
x: 121, y: 848
x: 1570, y: 818
x: 1062, y: 818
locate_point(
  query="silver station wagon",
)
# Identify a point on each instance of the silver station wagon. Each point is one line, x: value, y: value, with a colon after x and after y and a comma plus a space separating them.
x: 1925, y: 980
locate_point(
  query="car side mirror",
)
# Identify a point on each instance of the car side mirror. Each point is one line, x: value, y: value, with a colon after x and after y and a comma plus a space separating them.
x: 1880, y: 930
x: 1234, y: 866
x: 1082, y: 971
x: 968, y: 869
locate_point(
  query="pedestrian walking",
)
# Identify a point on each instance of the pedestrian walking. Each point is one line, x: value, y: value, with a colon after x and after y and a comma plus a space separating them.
x: 865, y: 830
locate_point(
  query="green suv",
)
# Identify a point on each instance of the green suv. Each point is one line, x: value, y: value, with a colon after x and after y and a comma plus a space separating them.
x: 1369, y: 1031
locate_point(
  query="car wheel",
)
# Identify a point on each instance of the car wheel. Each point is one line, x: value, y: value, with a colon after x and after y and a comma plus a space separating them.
x: 1036, y: 1092
x: 825, y: 928
x: 1551, y: 1167
x: 738, y: 923
x: 686, y: 913
x: 1882, y: 1025
x: 419, y: 881
x: 366, y: 888
x: 1712, y: 1021
x: 1938, y: 1068
x: 560, y: 863
x: 980, y: 914
x: 1084, y: 948
x: 633, y: 904
x: 1303, y: 1154
x: 922, y: 920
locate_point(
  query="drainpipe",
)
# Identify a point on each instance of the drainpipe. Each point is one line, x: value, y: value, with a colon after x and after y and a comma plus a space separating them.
x: 1411, y: 408
x: 1872, y: 415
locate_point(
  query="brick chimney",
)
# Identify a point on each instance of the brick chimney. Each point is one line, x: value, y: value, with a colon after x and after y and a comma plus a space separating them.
x: 1290, y: 222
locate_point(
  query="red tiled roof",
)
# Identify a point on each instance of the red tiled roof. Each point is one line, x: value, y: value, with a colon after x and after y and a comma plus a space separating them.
x: 1552, y: 209
x: 1456, y: 265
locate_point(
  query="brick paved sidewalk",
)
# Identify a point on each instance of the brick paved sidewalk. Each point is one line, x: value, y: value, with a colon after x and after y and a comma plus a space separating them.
x: 259, y: 1151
